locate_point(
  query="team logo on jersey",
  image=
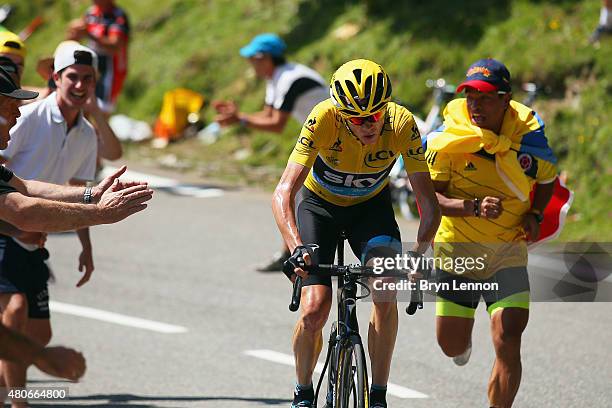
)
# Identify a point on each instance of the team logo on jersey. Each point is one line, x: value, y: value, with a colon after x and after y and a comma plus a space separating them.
x: 337, y: 146
x: 470, y: 167
x: 430, y: 157
x: 415, y: 132
x: 343, y: 183
x: 526, y: 161
x: 310, y: 124
x: 379, y: 159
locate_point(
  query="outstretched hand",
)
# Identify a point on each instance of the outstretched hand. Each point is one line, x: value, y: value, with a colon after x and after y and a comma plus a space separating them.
x: 118, y: 203
x: 227, y: 112
x: 113, y: 182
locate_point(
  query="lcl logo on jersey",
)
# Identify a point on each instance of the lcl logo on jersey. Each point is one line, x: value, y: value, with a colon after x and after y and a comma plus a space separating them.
x: 417, y: 153
x: 306, y: 142
x: 379, y: 159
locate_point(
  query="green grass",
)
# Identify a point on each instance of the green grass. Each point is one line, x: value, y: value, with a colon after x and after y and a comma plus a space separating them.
x: 195, y: 44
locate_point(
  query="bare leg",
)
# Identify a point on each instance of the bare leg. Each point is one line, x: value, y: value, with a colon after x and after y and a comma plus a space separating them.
x: 453, y: 334
x: 308, y: 336
x: 382, y: 333
x: 15, y: 316
x: 507, y: 326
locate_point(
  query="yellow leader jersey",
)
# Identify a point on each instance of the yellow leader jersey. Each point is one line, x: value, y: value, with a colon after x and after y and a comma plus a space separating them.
x: 344, y: 171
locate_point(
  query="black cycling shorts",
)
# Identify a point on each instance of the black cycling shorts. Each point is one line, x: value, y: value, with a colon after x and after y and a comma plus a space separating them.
x: 370, y: 228
x: 23, y: 271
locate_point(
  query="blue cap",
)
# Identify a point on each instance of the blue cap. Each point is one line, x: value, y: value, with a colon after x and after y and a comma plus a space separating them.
x: 487, y: 75
x: 267, y: 43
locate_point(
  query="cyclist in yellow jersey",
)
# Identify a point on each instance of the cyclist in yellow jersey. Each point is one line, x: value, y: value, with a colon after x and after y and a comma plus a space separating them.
x: 484, y: 160
x: 339, y: 167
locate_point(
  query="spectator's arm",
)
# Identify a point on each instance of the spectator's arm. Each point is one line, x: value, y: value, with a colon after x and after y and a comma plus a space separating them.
x: 269, y: 120
x: 36, y: 214
x: 109, y: 146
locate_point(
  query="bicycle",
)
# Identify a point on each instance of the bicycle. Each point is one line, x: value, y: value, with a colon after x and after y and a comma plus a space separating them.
x: 348, y: 374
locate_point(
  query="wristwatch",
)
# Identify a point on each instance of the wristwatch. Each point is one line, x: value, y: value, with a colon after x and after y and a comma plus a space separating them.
x: 476, y: 207
x: 87, y: 195
x: 537, y: 214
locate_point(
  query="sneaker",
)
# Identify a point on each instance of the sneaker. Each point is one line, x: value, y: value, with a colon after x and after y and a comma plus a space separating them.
x: 378, y: 397
x: 302, y: 399
x: 463, y: 358
x: 276, y: 263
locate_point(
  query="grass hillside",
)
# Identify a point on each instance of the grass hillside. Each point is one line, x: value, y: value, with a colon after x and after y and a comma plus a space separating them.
x: 195, y: 44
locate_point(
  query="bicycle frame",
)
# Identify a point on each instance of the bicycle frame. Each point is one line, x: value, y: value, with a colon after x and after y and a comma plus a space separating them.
x: 344, y: 333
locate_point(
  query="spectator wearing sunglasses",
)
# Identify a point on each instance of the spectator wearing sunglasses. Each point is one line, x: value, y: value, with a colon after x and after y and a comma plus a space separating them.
x: 292, y: 90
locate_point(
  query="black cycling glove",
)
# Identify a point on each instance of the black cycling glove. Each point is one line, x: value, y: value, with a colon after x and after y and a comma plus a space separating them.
x: 296, y: 260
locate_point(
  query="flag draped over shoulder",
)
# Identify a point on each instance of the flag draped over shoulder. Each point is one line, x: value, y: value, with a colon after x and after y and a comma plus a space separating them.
x: 519, y: 132
x: 522, y: 132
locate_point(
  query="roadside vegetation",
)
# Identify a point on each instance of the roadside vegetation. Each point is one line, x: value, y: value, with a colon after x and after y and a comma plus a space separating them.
x: 194, y: 44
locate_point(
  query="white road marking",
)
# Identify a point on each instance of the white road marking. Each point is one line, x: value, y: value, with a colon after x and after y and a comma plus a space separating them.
x: 169, y: 184
x: 286, y: 359
x: 82, y: 311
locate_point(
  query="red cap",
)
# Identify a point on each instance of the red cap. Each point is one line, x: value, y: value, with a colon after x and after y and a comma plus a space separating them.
x: 479, y: 85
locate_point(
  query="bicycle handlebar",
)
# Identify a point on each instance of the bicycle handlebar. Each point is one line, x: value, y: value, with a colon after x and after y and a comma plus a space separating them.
x: 354, y: 271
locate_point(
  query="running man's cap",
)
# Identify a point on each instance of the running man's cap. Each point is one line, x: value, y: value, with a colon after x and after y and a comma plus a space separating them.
x: 10, y: 43
x: 9, y: 88
x: 267, y: 43
x: 487, y: 75
x: 72, y: 53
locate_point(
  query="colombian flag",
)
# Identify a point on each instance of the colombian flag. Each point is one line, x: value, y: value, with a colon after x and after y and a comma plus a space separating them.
x: 525, y: 128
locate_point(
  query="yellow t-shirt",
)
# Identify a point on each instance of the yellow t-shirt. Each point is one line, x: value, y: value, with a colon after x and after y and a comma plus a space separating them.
x: 500, y: 241
x: 343, y: 170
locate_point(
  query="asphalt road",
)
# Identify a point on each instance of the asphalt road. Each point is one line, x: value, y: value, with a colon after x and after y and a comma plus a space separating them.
x: 189, y: 263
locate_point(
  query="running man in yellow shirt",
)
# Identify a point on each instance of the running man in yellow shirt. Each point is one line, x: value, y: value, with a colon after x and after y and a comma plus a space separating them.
x: 484, y: 161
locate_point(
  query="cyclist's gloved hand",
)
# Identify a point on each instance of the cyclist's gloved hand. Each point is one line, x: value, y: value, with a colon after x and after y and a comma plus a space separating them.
x: 299, y: 258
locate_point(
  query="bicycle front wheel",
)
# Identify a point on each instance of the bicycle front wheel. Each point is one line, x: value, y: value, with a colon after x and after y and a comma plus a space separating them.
x: 352, y: 378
